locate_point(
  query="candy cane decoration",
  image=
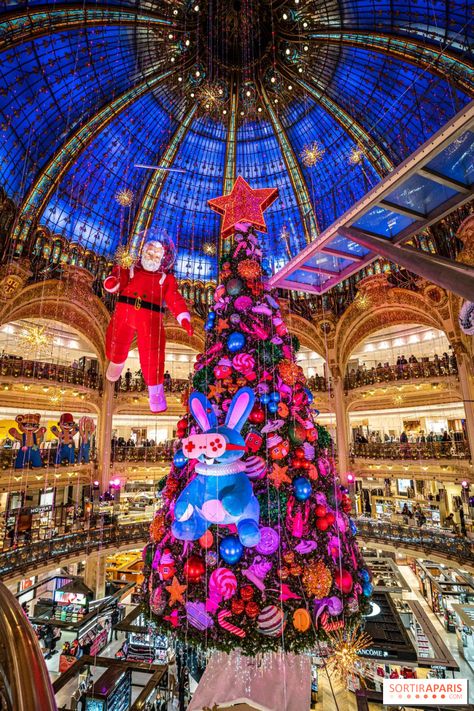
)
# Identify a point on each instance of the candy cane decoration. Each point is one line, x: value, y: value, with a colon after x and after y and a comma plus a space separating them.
x: 233, y: 629
x: 330, y: 626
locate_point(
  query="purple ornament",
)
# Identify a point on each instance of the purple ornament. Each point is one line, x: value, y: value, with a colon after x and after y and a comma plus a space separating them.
x: 335, y: 605
x: 305, y: 547
x: 197, y: 615
x: 234, y: 318
x: 269, y: 541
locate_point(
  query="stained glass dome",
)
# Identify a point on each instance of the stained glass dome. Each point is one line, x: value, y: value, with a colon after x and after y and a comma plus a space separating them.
x: 320, y: 99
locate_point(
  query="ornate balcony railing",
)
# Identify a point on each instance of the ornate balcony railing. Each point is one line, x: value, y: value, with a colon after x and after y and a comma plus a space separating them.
x: 391, y: 373
x: 153, y: 455
x: 317, y: 383
x: 50, y: 372
x: 24, y: 678
x: 49, y: 456
x: 418, y: 450
x: 26, y: 557
x: 428, y: 541
x: 136, y: 384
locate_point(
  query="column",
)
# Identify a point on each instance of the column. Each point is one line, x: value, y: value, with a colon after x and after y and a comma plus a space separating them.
x: 94, y: 576
x: 342, y: 428
x: 105, y: 435
x: 467, y: 392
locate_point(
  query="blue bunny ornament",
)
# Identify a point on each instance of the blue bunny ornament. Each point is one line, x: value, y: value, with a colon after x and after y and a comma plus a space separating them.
x: 221, y: 492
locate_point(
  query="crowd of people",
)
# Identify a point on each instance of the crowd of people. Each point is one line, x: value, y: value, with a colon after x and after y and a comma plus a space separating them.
x: 74, y: 374
x: 418, y: 437
x: 404, y: 369
x: 135, y: 382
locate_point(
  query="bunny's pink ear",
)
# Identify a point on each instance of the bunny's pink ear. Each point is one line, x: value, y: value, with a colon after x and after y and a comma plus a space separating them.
x: 202, y: 410
x: 239, y: 409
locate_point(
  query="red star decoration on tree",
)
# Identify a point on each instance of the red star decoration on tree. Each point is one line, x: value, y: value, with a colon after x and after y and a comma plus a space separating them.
x: 243, y: 204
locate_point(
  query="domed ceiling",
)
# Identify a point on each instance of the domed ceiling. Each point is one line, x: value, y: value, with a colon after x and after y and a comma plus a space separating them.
x: 320, y: 99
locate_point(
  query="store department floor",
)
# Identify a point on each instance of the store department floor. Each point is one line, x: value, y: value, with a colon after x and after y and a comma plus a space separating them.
x: 449, y: 638
x: 332, y: 695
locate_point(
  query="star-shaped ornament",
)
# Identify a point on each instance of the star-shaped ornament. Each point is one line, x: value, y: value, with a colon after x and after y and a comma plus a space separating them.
x: 176, y: 591
x: 243, y: 205
x: 215, y: 391
x: 279, y: 476
x: 222, y: 324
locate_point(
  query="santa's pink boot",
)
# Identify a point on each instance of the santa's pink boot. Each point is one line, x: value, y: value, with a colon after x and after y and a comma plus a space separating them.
x: 114, y: 371
x: 156, y: 394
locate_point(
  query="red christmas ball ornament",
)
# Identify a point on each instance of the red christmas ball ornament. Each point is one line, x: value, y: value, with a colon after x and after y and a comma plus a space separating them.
x: 246, y: 592
x: 257, y: 415
x: 322, y: 524
x: 312, y: 434
x: 206, y: 540
x: 320, y: 510
x: 237, y: 606
x: 330, y: 518
x: 252, y: 609
x: 182, y: 427
x: 343, y: 580
x: 305, y: 464
x: 297, y: 463
x: 299, y: 453
x: 194, y: 569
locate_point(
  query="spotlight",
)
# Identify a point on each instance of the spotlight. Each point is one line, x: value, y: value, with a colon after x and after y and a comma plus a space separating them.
x: 285, y: 16
x: 196, y: 8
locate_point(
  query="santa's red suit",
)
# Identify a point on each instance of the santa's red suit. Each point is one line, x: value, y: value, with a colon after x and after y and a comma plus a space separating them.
x: 143, y: 296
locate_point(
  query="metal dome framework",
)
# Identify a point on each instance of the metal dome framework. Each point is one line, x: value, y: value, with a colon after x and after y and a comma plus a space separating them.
x: 93, y: 90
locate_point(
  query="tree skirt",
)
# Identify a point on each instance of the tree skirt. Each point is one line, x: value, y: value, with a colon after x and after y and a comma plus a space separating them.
x: 269, y: 682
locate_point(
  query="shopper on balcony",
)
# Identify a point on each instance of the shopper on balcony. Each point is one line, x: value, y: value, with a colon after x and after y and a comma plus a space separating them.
x: 128, y: 379
x: 412, y: 359
x: 403, y: 438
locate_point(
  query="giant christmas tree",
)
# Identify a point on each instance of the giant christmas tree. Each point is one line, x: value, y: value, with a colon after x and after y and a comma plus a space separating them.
x: 254, y: 547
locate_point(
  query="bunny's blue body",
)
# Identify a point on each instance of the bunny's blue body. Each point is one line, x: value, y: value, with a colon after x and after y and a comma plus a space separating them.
x: 221, y: 491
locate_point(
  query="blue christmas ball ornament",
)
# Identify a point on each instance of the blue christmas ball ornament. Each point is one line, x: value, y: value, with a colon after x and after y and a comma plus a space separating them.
x: 353, y: 527
x: 367, y: 589
x: 309, y: 395
x: 365, y: 575
x: 265, y: 398
x: 235, y: 342
x: 272, y: 407
x: 231, y: 550
x: 179, y: 460
x: 302, y: 488
x: 275, y: 397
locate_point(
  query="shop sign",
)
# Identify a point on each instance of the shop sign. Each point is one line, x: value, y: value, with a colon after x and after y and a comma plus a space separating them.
x: 426, y: 692
x: 36, y: 509
x: 373, y: 652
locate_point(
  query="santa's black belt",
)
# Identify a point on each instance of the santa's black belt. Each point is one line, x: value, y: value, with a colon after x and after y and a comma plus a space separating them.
x: 139, y: 304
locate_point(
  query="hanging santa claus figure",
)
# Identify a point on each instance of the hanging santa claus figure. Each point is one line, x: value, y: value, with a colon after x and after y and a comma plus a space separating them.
x: 145, y: 290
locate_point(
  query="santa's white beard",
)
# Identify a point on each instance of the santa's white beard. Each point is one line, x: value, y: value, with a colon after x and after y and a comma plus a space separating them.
x: 151, y: 265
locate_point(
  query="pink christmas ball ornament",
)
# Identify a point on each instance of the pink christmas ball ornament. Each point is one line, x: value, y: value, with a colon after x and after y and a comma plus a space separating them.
x: 255, y: 467
x: 343, y: 581
x: 243, y: 303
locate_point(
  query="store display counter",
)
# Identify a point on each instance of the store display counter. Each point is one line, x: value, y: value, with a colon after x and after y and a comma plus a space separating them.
x: 464, y: 615
x: 111, y: 692
x: 442, y: 587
